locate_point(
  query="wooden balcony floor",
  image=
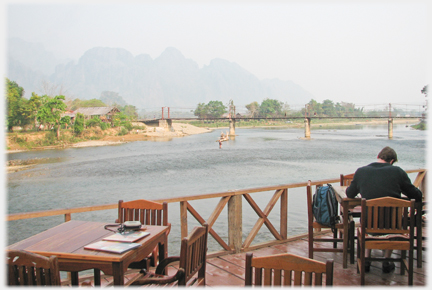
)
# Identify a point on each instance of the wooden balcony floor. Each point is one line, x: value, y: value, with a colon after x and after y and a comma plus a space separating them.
x: 228, y: 270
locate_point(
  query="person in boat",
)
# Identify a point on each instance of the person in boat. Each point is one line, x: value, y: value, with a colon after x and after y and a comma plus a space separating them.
x: 381, y: 179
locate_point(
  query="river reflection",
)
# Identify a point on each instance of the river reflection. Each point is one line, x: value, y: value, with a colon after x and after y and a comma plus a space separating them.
x: 195, y: 165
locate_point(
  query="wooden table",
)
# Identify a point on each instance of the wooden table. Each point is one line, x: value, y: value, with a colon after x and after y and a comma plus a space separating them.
x: 346, y: 203
x: 68, y: 239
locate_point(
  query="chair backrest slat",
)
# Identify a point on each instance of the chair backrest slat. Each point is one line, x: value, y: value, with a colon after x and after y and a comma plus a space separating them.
x: 345, y: 180
x: 297, y: 271
x: 31, y: 269
x: 145, y: 211
x: 387, y: 215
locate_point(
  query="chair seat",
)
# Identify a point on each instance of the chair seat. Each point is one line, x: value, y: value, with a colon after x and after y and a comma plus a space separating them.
x: 355, y: 211
x: 395, y: 237
x: 387, y: 237
x: 317, y: 225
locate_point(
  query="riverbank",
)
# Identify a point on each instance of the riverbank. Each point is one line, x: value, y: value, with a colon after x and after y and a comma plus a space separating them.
x: 112, y: 138
x: 179, y: 130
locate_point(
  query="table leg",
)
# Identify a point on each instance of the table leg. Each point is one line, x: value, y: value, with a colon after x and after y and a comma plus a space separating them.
x: 345, y: 234
x: 163, y: 249
x: 118, y: 274
x: 74, y: 279
x: 419, y: 232
x: 351, y: 240
x: 97, y: 277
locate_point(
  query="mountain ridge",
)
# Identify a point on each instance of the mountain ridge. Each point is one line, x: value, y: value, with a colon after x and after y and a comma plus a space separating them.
x: 168, y: 80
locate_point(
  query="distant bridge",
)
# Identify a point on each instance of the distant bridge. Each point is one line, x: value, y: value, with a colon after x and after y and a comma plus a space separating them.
x: 167, y: 123
x: 271, y: 118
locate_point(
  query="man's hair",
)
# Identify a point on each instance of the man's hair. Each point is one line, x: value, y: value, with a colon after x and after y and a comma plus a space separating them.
x: 388, y: 154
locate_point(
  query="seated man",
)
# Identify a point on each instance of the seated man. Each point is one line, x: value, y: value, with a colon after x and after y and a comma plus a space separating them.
x: 381, y: 179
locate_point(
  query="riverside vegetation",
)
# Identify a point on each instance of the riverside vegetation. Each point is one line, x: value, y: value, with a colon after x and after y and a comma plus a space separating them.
x: 46, y: 113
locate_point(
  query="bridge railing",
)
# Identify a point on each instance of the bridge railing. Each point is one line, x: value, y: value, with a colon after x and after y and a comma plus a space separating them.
x: 231, y: 201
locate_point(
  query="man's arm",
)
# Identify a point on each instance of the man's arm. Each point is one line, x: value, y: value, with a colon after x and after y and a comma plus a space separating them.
x: 352, y: 190
x: 409, y: 189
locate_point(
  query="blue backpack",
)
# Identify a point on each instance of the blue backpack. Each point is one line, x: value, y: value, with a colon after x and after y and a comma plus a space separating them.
x: 325, y: 206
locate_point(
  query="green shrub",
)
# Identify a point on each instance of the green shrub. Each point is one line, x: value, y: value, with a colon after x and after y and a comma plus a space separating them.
x: 50, y: 139
x: 79, y: 124
x: 93, y: 122
x: 104, y: 125
x: 127, y: 125
x: 123, y: 131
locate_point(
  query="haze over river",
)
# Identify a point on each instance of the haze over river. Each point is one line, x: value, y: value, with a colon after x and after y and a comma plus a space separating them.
x: 195, y: 165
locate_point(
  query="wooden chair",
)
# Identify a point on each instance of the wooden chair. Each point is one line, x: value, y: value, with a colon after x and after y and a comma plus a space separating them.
x: 345, y: 180
x: 29, y: 269
x: 384, y: 226
x: 192, y: 263
x: 420, y: 182
x: 313, y: 225
x: 148, y: 213
x: 287, y: 270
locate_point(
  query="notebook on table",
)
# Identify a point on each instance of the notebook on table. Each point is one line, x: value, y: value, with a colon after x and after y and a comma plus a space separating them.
x: 127, y: 237
x: 112, y: 247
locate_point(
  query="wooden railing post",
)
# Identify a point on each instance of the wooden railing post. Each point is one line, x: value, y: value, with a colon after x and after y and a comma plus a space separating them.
x: 423, y: 186
x: 183, y: 219
x: 284, y: 214
x: 235, y: 222
x: 67, y: 217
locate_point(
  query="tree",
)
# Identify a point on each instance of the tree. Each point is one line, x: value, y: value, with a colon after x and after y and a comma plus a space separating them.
x: 18, y: 113
x: 35, y: 103
x: 79, y: 124
x: 328, y: 108
x: 201, y: 111
x: 253, y: 109
x: 270, y: 108
x: 130, y: 112
x: 314, y: 108
x: 216, y: 109
x: 286, y: 109
x: 51, y: 111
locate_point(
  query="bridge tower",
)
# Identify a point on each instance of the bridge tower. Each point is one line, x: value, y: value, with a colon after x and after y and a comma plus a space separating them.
x: 166, y: 123
x: 307, y: 121
x: 390, y: 124
x: 232, y: 120
x: 307, y: 127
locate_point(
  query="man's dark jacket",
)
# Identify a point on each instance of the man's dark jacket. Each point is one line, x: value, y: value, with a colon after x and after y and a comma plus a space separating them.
x: 382, y: 179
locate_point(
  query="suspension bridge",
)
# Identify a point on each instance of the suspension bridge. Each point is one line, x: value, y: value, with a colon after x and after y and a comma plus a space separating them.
x: 165, y: 120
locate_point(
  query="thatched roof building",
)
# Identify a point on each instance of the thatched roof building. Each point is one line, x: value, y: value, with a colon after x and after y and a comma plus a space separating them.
x: 90, y: 112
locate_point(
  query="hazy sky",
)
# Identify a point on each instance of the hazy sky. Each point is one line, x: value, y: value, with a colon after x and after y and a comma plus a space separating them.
x: 365, y: 52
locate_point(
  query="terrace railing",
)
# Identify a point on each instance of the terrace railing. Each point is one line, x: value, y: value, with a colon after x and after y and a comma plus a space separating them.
x: 233, y: 201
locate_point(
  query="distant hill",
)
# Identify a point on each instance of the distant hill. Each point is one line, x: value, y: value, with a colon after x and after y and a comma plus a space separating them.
x: 169, y: 80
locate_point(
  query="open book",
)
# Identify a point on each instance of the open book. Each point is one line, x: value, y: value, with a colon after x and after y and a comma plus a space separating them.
x: 112, y: 247
x: 127, y: 237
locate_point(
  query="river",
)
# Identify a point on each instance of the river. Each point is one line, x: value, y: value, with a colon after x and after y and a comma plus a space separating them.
x: 195, y: 165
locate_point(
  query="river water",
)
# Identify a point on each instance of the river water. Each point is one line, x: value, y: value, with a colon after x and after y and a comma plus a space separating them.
x: 194, y: 165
